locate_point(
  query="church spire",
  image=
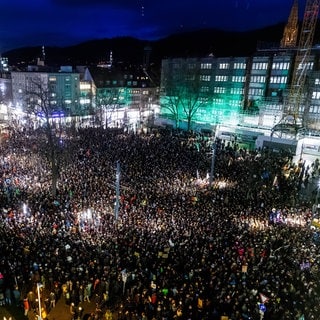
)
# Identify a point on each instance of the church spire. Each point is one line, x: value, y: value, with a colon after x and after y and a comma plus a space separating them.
x: 290, y: 34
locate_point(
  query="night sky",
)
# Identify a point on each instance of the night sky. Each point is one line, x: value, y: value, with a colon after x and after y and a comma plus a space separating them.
x: 68, y: 22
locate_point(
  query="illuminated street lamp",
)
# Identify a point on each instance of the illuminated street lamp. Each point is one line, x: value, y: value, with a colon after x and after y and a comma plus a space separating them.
x: 212, y: 163
x: 317, y: 197
x: 39, y: 285
x: 316, y: 205
x: 116, y: 207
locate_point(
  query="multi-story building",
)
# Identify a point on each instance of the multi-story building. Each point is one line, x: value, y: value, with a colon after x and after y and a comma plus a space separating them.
x: 122, y: 97
x: 60, y: 89
x: 260, y: 92
x: 5, y: 91
x: 210, y: 90
x: 246, y: 91
x: 109, y: 95
x: 4, y: 65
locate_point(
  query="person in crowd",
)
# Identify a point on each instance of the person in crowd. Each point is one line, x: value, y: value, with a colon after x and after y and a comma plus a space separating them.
x: 189, y: 249
x: 26, y: 306
x: 52, y: 299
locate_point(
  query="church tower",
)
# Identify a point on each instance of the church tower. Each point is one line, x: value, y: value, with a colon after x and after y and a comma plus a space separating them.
x: 290, y: 34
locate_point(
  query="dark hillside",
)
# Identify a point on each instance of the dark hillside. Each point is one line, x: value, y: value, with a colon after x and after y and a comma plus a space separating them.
x: 131, y: 51
x: 216, y: 42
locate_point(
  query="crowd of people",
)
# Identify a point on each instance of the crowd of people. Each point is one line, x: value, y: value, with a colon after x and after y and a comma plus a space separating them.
x: 182, y: 244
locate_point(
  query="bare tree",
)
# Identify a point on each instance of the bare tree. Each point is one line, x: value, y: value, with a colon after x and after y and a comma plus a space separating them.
x: 39, y: 104
x: 194, y: 97
x: 107, y: 101
x: 184, y: 94
x: 171, y: 104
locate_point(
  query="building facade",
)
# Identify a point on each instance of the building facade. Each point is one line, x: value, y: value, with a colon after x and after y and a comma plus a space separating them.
x: 242, y: 91
x: 122, y: 97
x: 61, y: 89
x: 97, y: 95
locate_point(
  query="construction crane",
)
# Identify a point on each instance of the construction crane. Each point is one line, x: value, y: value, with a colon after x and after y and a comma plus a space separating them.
x: 292, y: 120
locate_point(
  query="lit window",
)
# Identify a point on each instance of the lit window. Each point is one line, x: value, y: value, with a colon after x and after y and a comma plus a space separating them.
x: 258, y: 79
x: 84, y: 101
x: 221, y: 78
x: 315, y: 95
x: 224, y: 66
x: 280, y: 66
x: 305, y: 66
x: 219, y: 90
x: 204, y: 77
x: 238, y: 79
x: 206, y: 66
x: 260, y: 66
x: 204, y: 89
x: 85, y: 86
x: 255, y: 92
x: 239, y: 65
x: 237, y: 91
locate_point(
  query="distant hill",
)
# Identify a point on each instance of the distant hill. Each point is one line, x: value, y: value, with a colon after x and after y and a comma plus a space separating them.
x: 131, y: 50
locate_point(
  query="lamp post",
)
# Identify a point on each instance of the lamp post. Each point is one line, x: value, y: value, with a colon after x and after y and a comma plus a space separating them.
x: 317, y: 196
x: 116, y: 208
x: 212, y: 163
x: 315, y: 206
x: 39, y: 285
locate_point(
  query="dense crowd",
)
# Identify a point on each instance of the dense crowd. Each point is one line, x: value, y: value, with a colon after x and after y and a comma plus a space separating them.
x: 180, y: 247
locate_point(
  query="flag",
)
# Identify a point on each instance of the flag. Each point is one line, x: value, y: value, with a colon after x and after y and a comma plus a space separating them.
x: 263, y: 298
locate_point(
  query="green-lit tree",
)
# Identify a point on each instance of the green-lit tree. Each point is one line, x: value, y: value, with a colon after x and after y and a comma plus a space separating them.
x: 171, y: 94
x: 183, y: 94
x: 171, y: 105
x: 39, y: 103
x: 194, y: 97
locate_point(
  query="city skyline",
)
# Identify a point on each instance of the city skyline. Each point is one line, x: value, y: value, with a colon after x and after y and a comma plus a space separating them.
x: 68, y: 22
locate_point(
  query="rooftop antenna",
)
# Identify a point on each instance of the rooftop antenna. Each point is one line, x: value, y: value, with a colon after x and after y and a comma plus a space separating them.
x: 110, y: 58
x: 43, y: 54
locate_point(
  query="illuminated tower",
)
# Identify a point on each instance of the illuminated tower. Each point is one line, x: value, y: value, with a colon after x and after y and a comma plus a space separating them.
x: 43, y: 54
x: 110, y: 58
x: 41, y: 61
x: 295, y: 107
x: 290, y: 34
